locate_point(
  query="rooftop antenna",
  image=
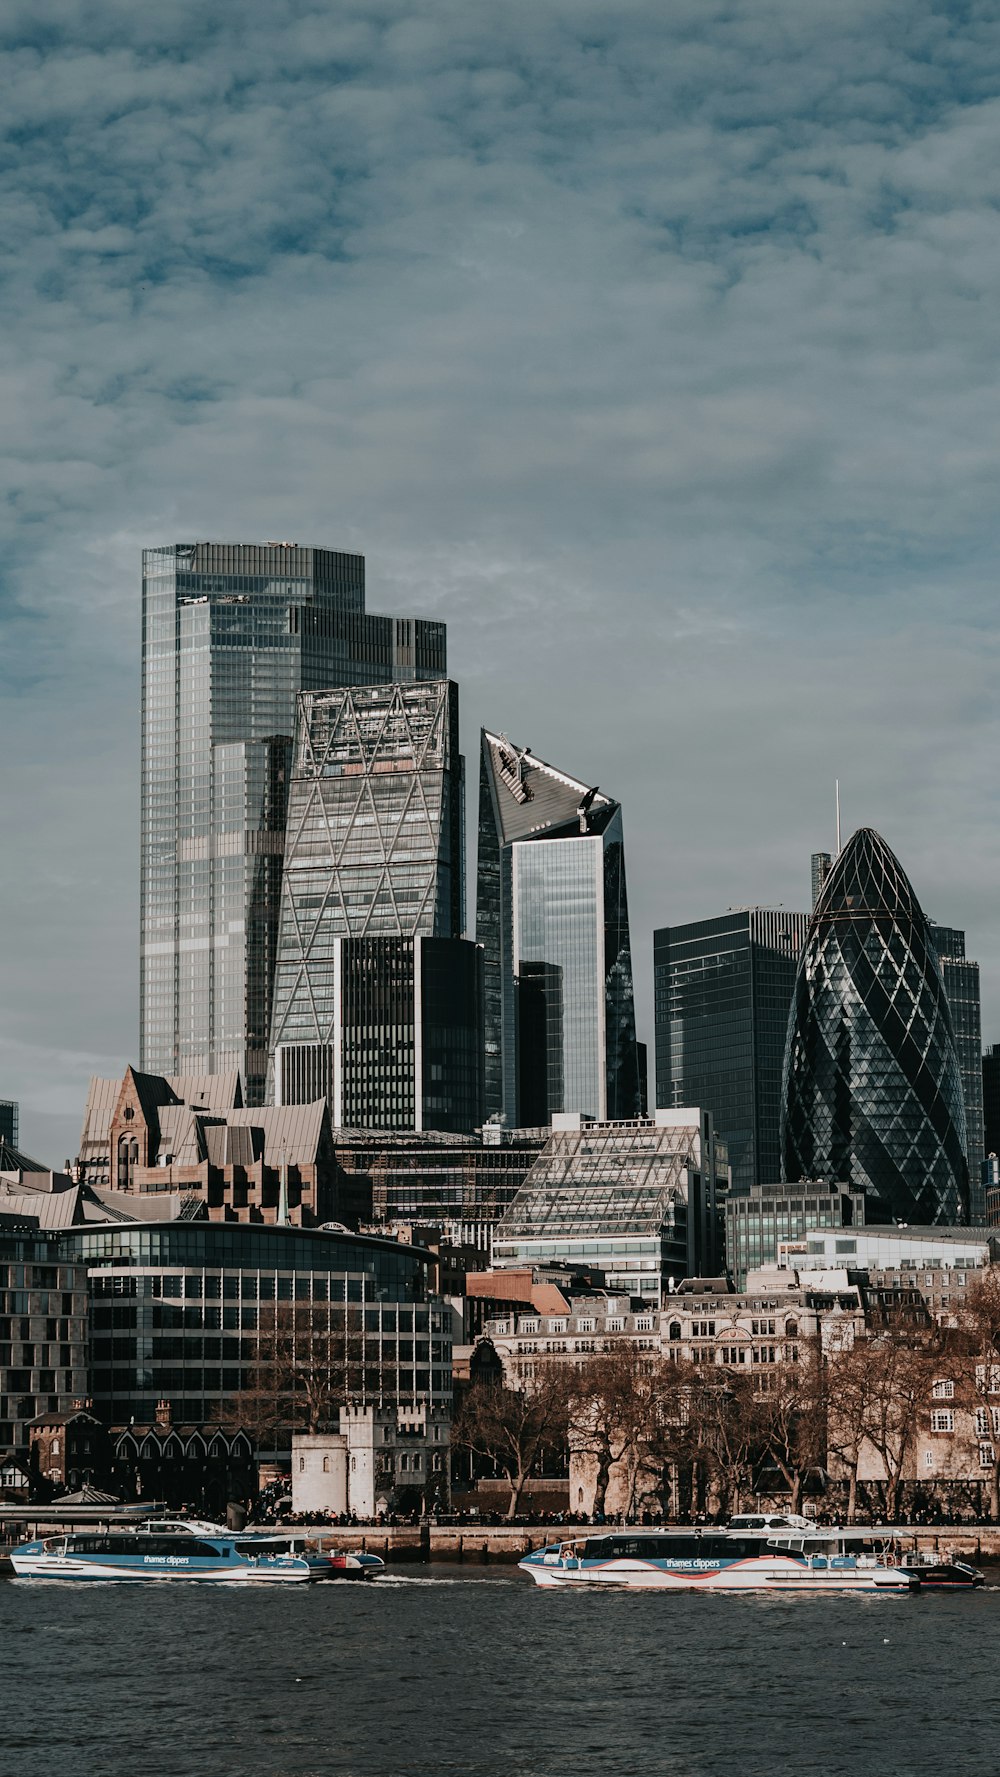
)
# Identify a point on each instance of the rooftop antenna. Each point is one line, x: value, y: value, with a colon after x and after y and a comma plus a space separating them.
x: 837, y: 783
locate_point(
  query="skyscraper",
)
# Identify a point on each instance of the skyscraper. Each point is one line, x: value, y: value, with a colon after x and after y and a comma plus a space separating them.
x: 872, y: 1087
x: 822, y: 864
x: 230, y: 634
x: 8, y: 1121
x: 722, y: 992
x: 552, y: 916
x: 961, y: 984
x: 377, y: 1001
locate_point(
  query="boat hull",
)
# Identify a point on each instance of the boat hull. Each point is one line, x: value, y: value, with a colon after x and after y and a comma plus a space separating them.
x: 749, y: 1576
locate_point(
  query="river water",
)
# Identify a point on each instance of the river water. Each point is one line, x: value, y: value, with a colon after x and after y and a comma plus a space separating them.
x: 440, y: 1670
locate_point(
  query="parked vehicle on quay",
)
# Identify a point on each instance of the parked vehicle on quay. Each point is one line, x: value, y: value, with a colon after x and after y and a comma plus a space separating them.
x: 139, y: 1555
x: 794, y: 1557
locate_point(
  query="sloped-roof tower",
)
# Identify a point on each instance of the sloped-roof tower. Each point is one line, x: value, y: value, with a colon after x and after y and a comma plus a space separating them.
x: 552, y: 917
x: 872, y: 1088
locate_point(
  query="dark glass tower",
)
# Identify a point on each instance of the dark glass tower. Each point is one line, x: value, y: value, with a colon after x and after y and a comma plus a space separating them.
x: 230, y: 634
x: 872, y: 1087
x: 552, y: 917
x: 723, y: 988
x: 377, y: 1000
x: 961, y: 984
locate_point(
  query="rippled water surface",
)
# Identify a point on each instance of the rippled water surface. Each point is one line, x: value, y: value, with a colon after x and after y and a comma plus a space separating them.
x: 440, y: 1670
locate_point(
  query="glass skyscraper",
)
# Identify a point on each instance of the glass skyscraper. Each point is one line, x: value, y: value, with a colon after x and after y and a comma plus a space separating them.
x: 230, y: 634
x: 552, y: 917
x: 961, y: 984
x: 8, y: 1121
x: 873, y: 1089
x: 377, y: 1002
x: 723, y: 988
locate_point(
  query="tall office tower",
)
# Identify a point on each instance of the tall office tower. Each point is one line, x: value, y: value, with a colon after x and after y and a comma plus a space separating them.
x: 230, y: 634
x: 961, y: 984
x: 991, y: 1099
x: 552, y: 917
x: 872, y: 1086
x: 722, y: 992
x: 378, y: 998
x: 822, y: 864
x: 8, y: 1121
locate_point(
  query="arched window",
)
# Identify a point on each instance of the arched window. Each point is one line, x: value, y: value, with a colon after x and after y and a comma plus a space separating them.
x: 302, y: 1465
x: 791, y: 1329
x: 326, y: 1465
x: 675, y: 1329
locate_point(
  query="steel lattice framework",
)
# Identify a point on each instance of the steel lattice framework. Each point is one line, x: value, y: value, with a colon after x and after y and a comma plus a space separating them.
x: 872, y: 1088
x: 373, y: 840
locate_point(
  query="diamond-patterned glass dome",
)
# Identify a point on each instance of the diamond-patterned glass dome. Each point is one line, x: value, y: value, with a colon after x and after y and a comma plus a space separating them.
x: 872, y: 1090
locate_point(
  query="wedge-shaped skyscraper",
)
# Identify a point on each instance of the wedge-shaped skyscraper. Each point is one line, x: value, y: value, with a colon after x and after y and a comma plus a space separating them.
x: 552, y: 917
x: 377, y: 1001
x: 872, y: 1087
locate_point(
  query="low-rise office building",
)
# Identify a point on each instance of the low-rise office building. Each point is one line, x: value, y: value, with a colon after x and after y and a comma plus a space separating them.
x: 43, y: 1331
x: 760, y: 1218
x: 178, y: 1310
x: 638, y: 1199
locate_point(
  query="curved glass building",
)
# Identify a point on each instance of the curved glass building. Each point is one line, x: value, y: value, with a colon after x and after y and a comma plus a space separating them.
x: 872, y: 1089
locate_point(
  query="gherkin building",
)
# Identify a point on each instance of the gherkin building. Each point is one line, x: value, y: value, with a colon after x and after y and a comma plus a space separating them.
x: 872, y: 1091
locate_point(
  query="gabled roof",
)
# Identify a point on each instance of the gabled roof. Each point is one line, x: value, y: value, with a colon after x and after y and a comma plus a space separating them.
x: 48, y: 1209
x: 532, y: 798
x: 294, y: 1128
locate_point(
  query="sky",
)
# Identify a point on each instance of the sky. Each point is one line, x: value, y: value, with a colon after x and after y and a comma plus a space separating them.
x: 653, y: 347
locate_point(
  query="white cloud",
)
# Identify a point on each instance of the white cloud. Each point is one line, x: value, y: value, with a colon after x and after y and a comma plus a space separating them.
x: 654, y: 349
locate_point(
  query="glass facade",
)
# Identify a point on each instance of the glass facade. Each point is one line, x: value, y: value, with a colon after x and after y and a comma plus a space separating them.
x: 722, y: 993
x: 175, y: 1310
x: 758, y: 1219
x: 873, y: 1091
x: 377, y: 996
x: 231, y: 633
x: 43, y: 1332
x: 8, y: 1121
x: 552, y: 917
x: 636, y: 1200
x: 961, y: 984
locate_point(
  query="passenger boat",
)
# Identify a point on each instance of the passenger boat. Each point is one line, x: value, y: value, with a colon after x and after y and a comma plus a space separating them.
x: 734, y: 1560
x: 326, y: 1564
x: 149, y: 1555
x: 943, y: 1574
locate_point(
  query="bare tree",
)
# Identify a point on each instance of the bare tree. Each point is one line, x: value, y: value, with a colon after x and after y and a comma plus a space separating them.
x: 901, y: 1375
x: 610, y: 1407
x: 977, y: 1352
x: 852, y: 1382
x: 793, y: 1419
x: 514, y: 1428
x: 308, y: 1361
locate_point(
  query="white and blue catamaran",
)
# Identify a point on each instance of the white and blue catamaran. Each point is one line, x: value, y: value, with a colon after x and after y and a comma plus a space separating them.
x: 735, y: 1560
x: 151, y: 1555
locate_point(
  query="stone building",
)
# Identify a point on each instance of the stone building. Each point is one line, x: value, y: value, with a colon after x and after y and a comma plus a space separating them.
x: 205, y: 1466
x: 381, y: 1460
x: 148, y: 1134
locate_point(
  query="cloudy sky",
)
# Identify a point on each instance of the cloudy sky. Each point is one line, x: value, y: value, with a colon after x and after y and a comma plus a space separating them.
x: 653, y: 346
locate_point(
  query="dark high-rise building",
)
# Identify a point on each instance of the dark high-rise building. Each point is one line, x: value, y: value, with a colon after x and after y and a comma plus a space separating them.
x: 822, y: 864
x: 961, y: 984
x: 723, y: 989
x: 552, y: 917
x: 378, y: 998
x: 230, y: 634
x: 8, y: 1121
x: 991, y: 1099
x: 873, y: 1089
